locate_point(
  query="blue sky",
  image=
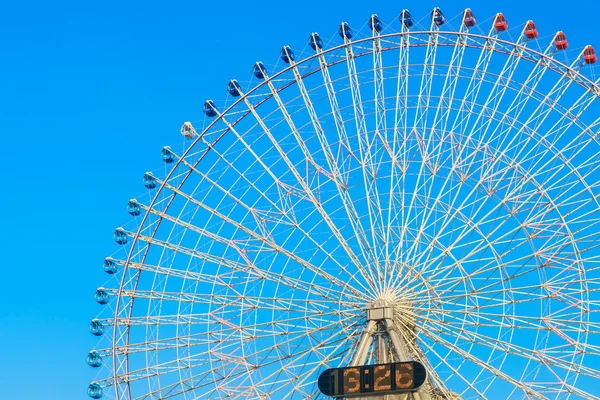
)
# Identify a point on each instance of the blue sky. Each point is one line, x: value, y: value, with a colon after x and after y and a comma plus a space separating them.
x: 89, y: 95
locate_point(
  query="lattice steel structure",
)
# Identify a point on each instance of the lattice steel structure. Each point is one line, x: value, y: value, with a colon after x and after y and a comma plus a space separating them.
x: 449, y: 174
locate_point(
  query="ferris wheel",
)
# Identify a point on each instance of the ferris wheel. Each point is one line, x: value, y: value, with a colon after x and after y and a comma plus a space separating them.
x: 419, y: 196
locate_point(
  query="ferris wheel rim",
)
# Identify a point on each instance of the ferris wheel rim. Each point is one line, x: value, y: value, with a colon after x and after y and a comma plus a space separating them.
x: 200, y: 137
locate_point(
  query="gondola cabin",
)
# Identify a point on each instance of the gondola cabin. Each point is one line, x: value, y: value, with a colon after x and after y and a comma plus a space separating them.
x: 96, y: 328
x: 233, y: 87
x: 287, y: 55
x: 95, y: 391
x: 101, y: 296
x: 315, y: 42
x: 167, y: 155
x: 259, y: 70
x: 110, y: 266
x: 209, y: 108
x: 589, y: 55
x: 437, y: 17
x: 468, y: 18
x: 375, y: 23
x: 133, y: 207
x: 94, y: 359
x: 500, y: 23
x: 187, y: 130
x: 531, y: 30
x: 149, y: 180
x: 406, y: 19
x: 560, y: 41
x: 120, y: 236
x: 345, y: 31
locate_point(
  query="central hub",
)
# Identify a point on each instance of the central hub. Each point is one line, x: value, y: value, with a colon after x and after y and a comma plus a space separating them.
x: 394, y: 313
x: 380, y: 310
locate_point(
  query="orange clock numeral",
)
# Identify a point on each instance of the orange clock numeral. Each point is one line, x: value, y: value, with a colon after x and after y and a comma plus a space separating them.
x: 351, y: 380
x: 382, y: 378
x: 404, y: 376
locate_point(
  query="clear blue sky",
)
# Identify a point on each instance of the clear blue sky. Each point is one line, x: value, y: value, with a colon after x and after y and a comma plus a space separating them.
x: 89, y: 94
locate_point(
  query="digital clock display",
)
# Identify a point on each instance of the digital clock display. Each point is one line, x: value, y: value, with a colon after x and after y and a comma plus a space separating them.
x: 372, y: 379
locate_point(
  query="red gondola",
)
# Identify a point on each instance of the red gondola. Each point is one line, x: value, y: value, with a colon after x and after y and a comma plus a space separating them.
x: 589, y: 55
x: 468, y: 18
x: 500, y: 23
x: 531, y: 30
x: 560, y: 41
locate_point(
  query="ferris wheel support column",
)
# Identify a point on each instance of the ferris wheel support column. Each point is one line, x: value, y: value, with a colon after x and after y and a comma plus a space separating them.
x: 401, y: 353
x: 365, y: 343
x: 381, y: 314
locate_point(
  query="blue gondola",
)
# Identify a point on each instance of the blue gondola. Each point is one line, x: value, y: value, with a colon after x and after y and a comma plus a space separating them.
x: 101, y: 296
x: 149, y: 180
x: 96, y: 328
x: 345, y: 31
x: 110, y: 266
x: 94, y: 359
x: 375, y: 23
x: 167, y: 155
x: 406, y: 18
x: 133, y: 207
x: 315, y: 41
x: 95, y: 391
x: 437, y: 17
x: 259, y: 70
x: 209, y: 108
x: 233, y: 87
x: 287, y: 54
x: 120, y: 236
